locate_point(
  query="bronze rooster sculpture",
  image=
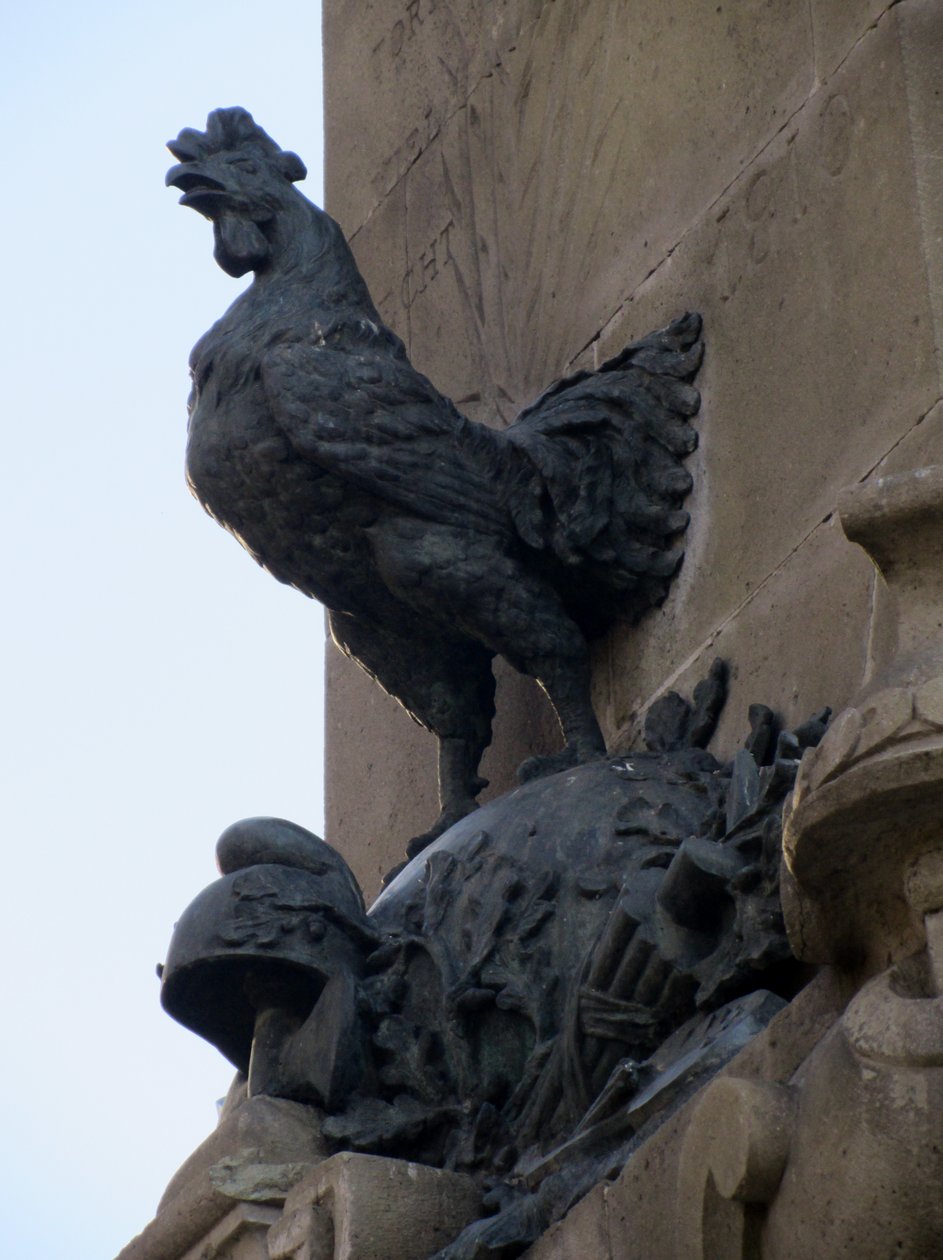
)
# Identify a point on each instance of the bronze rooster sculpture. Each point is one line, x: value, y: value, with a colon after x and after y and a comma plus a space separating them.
x: 434, y: 542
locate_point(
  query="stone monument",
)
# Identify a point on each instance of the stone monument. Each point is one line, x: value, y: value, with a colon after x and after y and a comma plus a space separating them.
x: 678, y: 993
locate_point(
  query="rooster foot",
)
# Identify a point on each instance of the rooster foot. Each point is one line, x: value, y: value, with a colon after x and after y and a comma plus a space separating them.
x: 540, y: 767
x: 451, y: 814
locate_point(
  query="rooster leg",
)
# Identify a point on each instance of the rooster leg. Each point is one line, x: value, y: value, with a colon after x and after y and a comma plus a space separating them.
x: 459, y: 785
x: 567, y: 683
x: 445, y: 683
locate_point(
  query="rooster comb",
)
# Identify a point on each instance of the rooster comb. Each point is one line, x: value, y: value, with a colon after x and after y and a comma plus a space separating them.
x: 234, y: 128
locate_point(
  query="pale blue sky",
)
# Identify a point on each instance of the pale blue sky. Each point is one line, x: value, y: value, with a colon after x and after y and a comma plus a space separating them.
x: 156, y: 684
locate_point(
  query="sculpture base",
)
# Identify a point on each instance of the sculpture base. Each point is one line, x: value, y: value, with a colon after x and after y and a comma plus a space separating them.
x: 349, y: 1207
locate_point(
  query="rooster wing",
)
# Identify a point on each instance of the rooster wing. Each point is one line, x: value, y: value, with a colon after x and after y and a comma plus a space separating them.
x: 371, y: 418
x: 590, y: 477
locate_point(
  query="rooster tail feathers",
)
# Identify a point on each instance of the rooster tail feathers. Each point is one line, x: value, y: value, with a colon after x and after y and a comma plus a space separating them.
x: 677, y: 350
x: 602, y: 482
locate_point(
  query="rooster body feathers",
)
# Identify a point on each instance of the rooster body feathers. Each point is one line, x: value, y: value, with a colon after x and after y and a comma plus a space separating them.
x: 435, y: 543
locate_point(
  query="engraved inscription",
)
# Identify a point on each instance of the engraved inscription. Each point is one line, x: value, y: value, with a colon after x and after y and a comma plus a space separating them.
x: 432, y: 259
x: 757, y: 222
x: 402, y: 157
x: 772, y: 202
x: 836, y: 135
x: 405, y: 27
x: 757, y: 207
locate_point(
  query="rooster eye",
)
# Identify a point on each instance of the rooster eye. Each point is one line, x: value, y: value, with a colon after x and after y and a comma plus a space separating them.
x: 244, y: 164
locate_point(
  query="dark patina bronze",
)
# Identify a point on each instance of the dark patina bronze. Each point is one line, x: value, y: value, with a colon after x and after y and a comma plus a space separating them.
x: 434, y: 542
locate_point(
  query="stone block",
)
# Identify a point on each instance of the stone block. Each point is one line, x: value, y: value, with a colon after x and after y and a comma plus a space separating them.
x: 732, y: 1160
x: 802, y: 641
x: 645, y: 1216
x: 837, y: 26
x: 417, y: 58
x: 865, y: 1161
x: 525, y: 726
x: 561, y: 202
x: 739, y: 1137
x: 920, y: 27
x: 380, y: 250
x: 240, y: 1235
x: 787, y: 422
x: 778, y: 1052
x: 423, y: 58
x: 202, y: 1193
x: 442, y: 282
x: 641, y: 1204
x: 920, y: 448
x: 363, y: 1207
x: 272, y: 1130
x: 798, y: 643
x: 583, y: 1234
x: 380, y: 773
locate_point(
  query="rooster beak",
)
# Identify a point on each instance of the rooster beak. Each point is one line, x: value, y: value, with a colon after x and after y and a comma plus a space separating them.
x: 170, y: 179
x: 201, y: 191
x: 191, y: 175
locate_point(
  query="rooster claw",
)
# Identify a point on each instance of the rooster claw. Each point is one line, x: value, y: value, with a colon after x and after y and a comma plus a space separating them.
x: 415, y: 846
x: 450, y: 815
x: 540, y: 767
x: 392, y: 873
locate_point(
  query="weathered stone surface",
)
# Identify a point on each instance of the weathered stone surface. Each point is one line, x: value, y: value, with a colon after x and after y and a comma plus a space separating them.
x: 380, y: 250
x: 525, y: 726
x: 423, y: 57
x: 836, y: 28
x: 547, y: 154
x: 867, y: 803
x: 776, y: 267
x: 583, y: 1235
x: 416, y: 58
x: 865, y: 1157
x: 362, y: 1207
x: 380, y: 773
x: 641, y: 1204
x: 782, y: 286
x: 442, y: 284
x: 643, y: 1217
x: 777, y: 642
x: 920, y: 26
x: 918, y: 448
x: 261, y: 1129
x: 775, y: 263
x: 252, y: 1181
x: 241, y: 1235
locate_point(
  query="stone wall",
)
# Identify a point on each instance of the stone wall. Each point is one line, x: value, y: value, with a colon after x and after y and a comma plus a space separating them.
x: 530, y: 184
